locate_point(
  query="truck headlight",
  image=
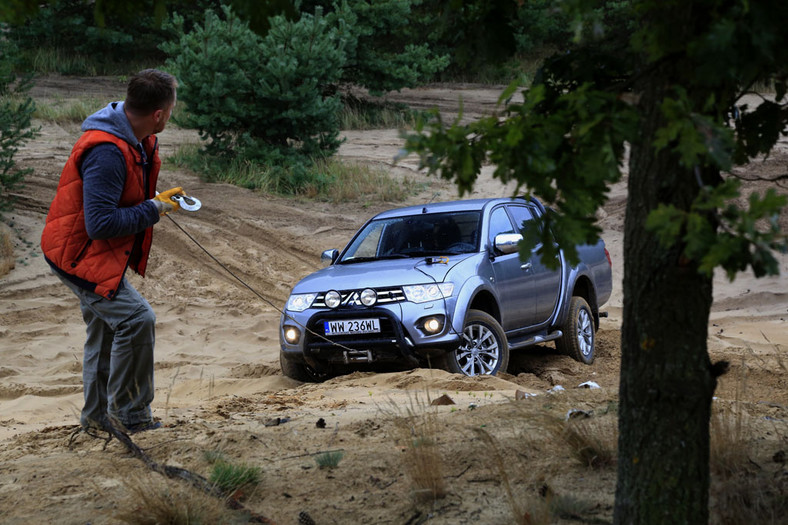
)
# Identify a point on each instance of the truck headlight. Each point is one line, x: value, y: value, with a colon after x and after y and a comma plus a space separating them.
x: 422, y: 293
x: 300, y: 301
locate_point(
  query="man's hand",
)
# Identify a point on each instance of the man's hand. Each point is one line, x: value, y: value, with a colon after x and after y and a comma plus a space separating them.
x: 164, y: 203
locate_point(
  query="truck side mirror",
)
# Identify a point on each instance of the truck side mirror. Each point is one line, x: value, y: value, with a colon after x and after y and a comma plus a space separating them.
x: 506, y: 243
x: 329, y: 256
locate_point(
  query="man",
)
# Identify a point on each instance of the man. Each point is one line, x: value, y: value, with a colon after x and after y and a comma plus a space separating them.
x: 100, y: 223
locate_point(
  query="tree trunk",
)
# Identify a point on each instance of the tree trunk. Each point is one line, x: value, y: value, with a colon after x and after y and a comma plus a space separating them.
x: 666, y: 379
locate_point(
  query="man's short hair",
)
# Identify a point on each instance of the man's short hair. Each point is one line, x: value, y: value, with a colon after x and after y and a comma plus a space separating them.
x: 150, y: 90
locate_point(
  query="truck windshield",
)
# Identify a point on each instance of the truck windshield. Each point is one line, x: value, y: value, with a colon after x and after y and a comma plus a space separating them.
x: 416, y: 236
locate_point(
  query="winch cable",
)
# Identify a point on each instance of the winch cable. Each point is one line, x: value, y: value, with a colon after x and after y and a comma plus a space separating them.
x: 255, y: 292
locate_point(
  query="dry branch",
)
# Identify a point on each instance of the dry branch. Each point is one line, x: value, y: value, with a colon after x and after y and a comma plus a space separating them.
x: 169, y: 471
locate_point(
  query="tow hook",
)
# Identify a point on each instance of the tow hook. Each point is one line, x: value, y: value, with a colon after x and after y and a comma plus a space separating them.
x: 358, y: 356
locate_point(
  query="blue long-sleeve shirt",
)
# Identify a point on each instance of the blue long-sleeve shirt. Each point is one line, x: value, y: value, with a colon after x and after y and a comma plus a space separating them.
x: 103, y: 179
x: 103, y: 172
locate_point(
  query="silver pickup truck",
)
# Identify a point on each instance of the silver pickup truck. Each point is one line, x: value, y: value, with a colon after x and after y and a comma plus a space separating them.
x: 442, y: 285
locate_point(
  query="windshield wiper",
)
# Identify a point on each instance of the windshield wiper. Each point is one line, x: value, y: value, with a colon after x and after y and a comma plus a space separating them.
x: 353, y: 260
x: 431, y: 253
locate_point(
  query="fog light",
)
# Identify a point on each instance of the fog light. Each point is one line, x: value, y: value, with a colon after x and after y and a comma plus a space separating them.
x: 433, y: 325
x: 369, y: 297
x: 292, y: 334
x: 333, y: 298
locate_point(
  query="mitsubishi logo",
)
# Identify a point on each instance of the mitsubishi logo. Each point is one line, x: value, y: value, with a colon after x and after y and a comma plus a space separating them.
x: 352, y: 298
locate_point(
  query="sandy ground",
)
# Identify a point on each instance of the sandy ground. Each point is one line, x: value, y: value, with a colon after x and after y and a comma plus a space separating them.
x: 219, y: 388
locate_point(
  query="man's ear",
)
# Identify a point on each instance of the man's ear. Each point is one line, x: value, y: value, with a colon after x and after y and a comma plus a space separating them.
x: 157, y: 115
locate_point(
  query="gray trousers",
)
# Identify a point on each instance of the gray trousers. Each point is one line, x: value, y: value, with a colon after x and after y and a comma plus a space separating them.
x: 117, y: 367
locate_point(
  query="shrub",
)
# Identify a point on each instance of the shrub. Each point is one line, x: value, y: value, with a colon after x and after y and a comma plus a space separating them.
x: 261, y: 98
x: 540, y: 23
x: 383, y: 51
x: 16, y: 110
x: 75, y: 30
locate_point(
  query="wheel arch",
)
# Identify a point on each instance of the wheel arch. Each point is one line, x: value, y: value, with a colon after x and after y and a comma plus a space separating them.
x: 485, y: 302
x: 474, y: 294
x: 584, y: 288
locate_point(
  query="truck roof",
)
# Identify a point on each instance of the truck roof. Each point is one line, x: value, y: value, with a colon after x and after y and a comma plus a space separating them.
x: 451, y: 206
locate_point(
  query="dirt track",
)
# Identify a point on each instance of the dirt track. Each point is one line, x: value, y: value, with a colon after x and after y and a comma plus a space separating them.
x: 218, y: 379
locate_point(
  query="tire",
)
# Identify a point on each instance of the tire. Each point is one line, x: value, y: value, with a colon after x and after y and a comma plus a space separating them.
x: 483, y: 350
x: 578, y: 341
x: 300, y: 371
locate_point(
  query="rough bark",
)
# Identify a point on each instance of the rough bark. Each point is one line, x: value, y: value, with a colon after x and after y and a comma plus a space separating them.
x: 666, y: 379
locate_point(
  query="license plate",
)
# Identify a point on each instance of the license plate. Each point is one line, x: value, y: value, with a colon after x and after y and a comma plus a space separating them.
x: 352, y: 326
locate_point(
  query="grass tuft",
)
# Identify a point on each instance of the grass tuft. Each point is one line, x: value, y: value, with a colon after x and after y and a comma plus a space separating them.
x: 360, y: 114
x: 54, y: 60
x: 231, y: 477
x: 152, y: 500
x: 569, y: 507
x: 6, y: 250
x: 214, y: 456
x: 750, y: 498
x: 329, y: 459
x: 329, y: 180
x: 72, y: 111
x: 593, y: 442
x: 730, y: 432
x: 352, y: 181
x: 417, y: 431
x: 730, y: 435
x: 68, y: 62
x: 537, y: 512
x: 743, y: 491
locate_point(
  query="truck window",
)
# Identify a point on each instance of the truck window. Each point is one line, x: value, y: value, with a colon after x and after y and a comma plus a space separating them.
x: 521, y: 215
x: 369, y: 244
x: 499, y: 223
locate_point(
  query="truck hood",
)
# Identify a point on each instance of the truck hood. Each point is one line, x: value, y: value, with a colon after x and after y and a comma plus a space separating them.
x: 378, y: 274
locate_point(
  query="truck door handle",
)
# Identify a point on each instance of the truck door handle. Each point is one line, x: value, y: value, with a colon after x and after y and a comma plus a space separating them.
x: 527, y: 266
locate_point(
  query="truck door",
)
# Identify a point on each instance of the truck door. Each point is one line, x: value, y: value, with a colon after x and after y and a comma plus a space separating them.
x: 515, y: 289
x: 545, y: 283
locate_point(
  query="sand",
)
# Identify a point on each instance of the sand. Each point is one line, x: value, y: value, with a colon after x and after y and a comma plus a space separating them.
x: 219, y: 388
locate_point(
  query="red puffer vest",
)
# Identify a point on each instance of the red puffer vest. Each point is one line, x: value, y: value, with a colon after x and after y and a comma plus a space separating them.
x: 65, y: 242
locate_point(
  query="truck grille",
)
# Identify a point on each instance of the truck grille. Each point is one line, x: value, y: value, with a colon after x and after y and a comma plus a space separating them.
x: 353, y: 297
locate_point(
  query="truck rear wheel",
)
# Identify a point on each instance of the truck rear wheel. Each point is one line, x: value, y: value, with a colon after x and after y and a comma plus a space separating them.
x: 579, y: 332
x: 483, y: 348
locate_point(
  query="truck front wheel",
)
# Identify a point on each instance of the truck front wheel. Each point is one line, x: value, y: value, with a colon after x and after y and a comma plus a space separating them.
x: 483, y: 348
x: 300, y: 371
x: 579, y: 332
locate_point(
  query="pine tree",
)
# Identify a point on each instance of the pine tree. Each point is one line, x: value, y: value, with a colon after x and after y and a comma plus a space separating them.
x: 16, y: 111
x: 260, y: 97
x: 383, y: 54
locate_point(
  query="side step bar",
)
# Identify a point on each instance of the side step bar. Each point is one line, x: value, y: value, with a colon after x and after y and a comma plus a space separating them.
x: 535, y: 340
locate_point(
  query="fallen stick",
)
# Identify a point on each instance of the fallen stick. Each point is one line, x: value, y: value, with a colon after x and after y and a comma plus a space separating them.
x: 169, y: 471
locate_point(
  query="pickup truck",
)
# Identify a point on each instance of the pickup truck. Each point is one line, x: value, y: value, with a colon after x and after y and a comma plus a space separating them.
x: 442, y: 285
